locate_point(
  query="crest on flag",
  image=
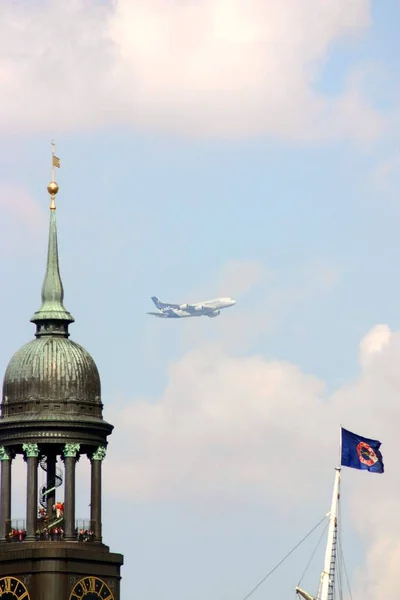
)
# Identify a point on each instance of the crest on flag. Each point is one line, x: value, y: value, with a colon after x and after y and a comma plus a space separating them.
x: 366, y: 455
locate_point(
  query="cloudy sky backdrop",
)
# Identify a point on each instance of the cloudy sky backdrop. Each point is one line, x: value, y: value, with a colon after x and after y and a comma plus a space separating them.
x: 247, y: 148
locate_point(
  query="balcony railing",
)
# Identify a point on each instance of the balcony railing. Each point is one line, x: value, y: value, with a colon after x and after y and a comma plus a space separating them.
x: 50, y: 530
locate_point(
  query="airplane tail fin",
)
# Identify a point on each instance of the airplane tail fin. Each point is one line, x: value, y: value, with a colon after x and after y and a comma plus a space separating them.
x: 157, y: 302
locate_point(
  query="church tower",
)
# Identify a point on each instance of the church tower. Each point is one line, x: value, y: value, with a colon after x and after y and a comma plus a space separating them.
x: 51, y: 414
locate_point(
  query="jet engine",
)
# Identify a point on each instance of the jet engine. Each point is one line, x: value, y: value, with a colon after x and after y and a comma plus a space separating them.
x: 214, y: 313
x: 184, y: 306
x: 198, y: 308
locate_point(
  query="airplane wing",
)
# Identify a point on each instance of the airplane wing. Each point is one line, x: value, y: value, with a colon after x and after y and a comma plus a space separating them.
x: 160, y: 315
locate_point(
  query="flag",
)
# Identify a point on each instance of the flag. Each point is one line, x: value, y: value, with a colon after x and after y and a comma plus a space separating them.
x: 361, y: 453
x: 56, y: 162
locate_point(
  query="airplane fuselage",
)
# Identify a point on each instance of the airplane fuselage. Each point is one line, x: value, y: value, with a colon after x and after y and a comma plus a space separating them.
x: 209, y: 308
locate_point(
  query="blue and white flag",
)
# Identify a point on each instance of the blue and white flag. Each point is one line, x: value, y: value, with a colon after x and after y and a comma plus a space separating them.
x: 361, y: 453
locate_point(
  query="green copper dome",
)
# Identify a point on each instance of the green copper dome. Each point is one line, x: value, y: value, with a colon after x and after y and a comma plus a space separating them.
x: 52, y: 374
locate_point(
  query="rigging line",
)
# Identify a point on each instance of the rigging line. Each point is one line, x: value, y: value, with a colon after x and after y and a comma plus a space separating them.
x: 339, y: 582
x: 313, y: 554
x: 339, y: 587
x: 345, y: 571
x: 283, y: 559
x: 340, y: 545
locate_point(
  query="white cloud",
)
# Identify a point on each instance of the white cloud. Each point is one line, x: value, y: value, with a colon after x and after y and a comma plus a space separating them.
x: 374, y: 343
x: 215, y: 67
x: 214, y: 429
x: 228, y: 429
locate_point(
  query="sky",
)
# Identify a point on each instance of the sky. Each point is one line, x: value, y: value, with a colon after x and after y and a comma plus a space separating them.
x: 243, y: 148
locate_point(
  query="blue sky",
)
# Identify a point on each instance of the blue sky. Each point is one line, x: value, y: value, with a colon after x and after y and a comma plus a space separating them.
x: 277, y: 187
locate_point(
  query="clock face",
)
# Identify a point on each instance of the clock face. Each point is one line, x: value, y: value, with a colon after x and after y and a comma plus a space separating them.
x: 90, y: 588
x: 12, y: 588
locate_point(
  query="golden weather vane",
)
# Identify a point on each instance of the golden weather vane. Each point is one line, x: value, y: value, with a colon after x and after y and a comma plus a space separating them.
x: 52, y: 188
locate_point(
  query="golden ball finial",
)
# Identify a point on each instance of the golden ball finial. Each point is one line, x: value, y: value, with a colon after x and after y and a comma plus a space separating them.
x: 52, y: 188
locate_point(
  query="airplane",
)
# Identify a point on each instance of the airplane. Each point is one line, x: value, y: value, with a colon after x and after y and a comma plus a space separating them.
x: 208, y: 308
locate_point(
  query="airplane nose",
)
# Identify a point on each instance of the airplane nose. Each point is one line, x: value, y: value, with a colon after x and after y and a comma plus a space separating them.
x: 233, y: 302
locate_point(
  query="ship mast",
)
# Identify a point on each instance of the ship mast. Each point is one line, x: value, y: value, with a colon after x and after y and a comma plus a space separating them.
x: 326, y: 585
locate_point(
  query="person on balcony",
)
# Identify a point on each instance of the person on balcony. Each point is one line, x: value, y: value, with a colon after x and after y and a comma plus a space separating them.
x: 59, y: 506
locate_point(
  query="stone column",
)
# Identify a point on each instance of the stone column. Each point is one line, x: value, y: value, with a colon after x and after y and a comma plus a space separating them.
x: 95, y: 492
x: 31, y: 453
x: 5, y: 499
x: 70, y: 452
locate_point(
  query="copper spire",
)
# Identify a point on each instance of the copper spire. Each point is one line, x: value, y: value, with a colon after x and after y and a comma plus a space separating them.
x: 52, y: 308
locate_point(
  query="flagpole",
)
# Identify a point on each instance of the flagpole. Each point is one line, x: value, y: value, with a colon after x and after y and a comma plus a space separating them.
x: 326, y: 585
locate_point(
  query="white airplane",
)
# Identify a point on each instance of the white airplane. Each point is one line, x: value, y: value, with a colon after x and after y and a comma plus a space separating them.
x: 209, y: 308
